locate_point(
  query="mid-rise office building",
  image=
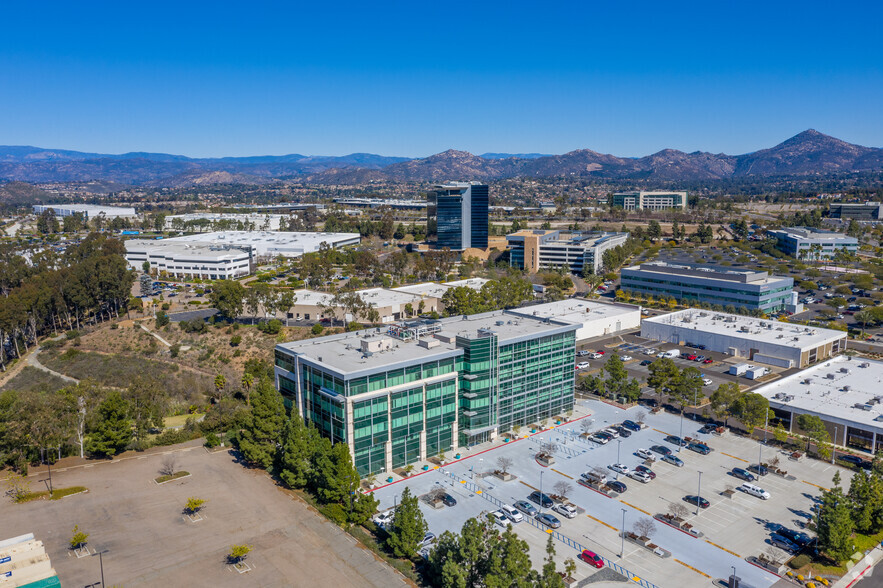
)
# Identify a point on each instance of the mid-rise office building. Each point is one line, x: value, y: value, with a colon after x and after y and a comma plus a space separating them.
x: 414, y: 389
x: 176, y: 259
x: 812, y: 244
x: 646, y: 200
x: 866, y: 211
x: 461, y: 213
x: 533, y: 250
x: 87, y: 210
x: 710, y: 284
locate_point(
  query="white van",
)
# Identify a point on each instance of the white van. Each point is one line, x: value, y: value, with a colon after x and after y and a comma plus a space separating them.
x: 753, y: 490
x: 512, y: 513
x: 672, y: 353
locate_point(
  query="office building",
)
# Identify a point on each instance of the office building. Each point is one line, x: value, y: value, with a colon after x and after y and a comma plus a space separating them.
x: 268, y: 244
x: 407, y: 392
x: 535, y: 250
x: 644, y: 200
x: 865, y: 211
x: 710, y: 284
x: 175, y: 259
x: 461, y: 213
x: 87, y: 210
x: 593, y: 319
x: 24, y: 563
x: 844, y: 392
x: 812, y: 244
x: 764, y: 341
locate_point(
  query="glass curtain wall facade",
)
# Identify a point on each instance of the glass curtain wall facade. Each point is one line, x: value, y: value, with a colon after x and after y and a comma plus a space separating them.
x: 479, y: 214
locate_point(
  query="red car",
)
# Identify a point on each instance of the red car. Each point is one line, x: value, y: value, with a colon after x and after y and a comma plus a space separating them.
x: 601, y: 351
x: 709, y: 360
x: 691, y: 357
x: 592, y: 558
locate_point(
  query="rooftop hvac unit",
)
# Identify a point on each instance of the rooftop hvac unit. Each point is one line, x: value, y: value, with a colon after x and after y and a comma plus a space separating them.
x: 864, y: 365
x: 844, y: 370
x: 807, y: 381
x: 500, y: 323
x: 829, y: 376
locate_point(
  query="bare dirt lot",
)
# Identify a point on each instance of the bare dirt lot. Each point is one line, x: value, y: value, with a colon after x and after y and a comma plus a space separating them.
x: 149, y: 542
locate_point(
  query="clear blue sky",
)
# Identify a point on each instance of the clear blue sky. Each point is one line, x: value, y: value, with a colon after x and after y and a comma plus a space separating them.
x: 416, y: 78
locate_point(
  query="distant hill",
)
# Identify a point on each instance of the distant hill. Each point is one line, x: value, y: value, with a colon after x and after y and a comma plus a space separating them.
x: 809, y: 152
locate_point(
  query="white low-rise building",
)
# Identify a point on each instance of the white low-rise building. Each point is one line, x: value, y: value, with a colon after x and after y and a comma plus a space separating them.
x: 765, y: 341
x: 210, y: 221
x: 190, y: 260
x: 271, y: 244
x: 845, y: 392
x: 87, y: 210
x: 595, y: 319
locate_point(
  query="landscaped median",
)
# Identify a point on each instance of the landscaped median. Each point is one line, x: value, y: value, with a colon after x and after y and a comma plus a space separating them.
x: 57, y: 494
x: 170, y: 477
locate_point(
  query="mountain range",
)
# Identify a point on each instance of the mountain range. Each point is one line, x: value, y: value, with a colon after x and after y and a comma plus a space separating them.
x: 809, y: 152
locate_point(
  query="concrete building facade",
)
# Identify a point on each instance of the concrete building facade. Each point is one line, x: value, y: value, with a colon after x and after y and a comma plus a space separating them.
x: 87, y: 210
x: 403, y: 394
x: 533, y: 250
x: 812, y: 244
x: 764, y: 341
x: 750, y: 289
x: 175, y: 259
x: 648, y: 200
x: 593, y: 319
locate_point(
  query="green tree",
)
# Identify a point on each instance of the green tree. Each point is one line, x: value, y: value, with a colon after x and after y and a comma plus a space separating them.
x: 113, y: 429
x: 685, y: 386
x: 47, y: 222
x: 509, y: 563
x: 662, y: 372
x: 723, y: 400
x: 78, y: 538
x: 752, y: 410
x: 408, y: 526
x: 262, y: 426
x: 834, y: 523
x: 815, y: 431
x: 228, y: 297
x: 654, y: 230
x: 617, y: 382
x: 147, y: 402
x: 866, y: 495
x: 549, y: 577
x: 247, y: 383
x: 162, y: 319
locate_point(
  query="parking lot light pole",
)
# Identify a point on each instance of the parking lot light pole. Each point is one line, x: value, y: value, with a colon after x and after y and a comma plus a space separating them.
x: 541, y: 492
x: 699, y: 495
x: 618, y: 447
x: 834, y: 445
x: 622, y: 534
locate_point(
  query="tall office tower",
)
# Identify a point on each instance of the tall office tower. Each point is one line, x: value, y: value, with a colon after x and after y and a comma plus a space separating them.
x: 461, y: 213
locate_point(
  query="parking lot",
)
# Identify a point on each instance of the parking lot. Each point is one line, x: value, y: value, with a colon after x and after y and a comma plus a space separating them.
x: 732, y: 528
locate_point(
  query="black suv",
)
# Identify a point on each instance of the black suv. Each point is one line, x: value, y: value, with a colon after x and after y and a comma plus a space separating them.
x: 541, y: 499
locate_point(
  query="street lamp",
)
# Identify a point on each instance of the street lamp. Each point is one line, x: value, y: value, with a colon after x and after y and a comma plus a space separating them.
x: 622, y: 533
x: 101, y: 564
x: 699, y: 495
x: 618, y: 447
x: 542, y: 496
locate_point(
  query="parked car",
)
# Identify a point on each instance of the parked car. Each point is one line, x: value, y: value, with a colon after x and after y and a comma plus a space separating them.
x: 512, y: 513
x: 660, y: 449
x: 673, y: 460
x: 595, y: 478
x: 383, y: 519
x: 699, y: 448
x: 541, y: 499
x: 699, y: 358
x: 582, y: 365
x: 690, y: 356
x: 596, y: 355
x: 549, y: 520
x: 617, y: 486
x: 697, y: 501
x: 645, y: 470
x: 644, y: 454
x: 631, y: 425
x: 449, y: 500
x: 499, y: 518
x: 783, y: 543
x: 708, y: 360
x: 707, y: 428
x: 626, y: 358
x: 853, y: 459
x: 612, y: 432
x: 623, y: 432
x: 675, y: 440
x: 755, y: 491
x: 427, y: 539
x: 743, y: 474
x: 799, y: 538
x: 619, y: 468
x: 758, y: 469
x: 582, y: 353
x: 592, y: 558
x: 526, y: 507
x: 639, y: 476
x: 566, y: 510
x: 599, y: 439
x: 646, y: 362
x: 706, y: 381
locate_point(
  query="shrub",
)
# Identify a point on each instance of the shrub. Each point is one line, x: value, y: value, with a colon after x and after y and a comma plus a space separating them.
x: 335, y: 513
x: 70, y: 354
x: 166, y: 306
x: 354, y: 326
x: 193, y: 326
x: 114, y: 326
x: 317, y: 329
x: 271, y: 327
x: 174, y: 350
x: 235, y: 340
x: 162, y: 319
x: 211, y: 440
x: 73, y: 334
x: 800, y: 561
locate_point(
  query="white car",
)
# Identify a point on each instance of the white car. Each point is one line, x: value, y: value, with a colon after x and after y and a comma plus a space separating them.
x: 706, y: 381
x: 640, y: 476
x: 383, y: 519
x: 626, y: 358
x: 612, y: 432
x: 599, y: 440
x: 566, y: 510
x: 582, y: 365
x: 500, y: 518
x: 645, y: 454
x: 595, y: 355
x: 512, y: 513
x: 619, y: 467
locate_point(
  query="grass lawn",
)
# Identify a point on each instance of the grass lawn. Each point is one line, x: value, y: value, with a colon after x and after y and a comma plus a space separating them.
x: 174, y: 422
x: 30, y: 378
x: 174, y: 476
x: 57, y: 494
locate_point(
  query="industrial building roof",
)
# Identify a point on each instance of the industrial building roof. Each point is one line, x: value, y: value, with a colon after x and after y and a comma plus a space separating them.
x: 762, y: 330
x: 812, y: 233
x: 312, y: 297
x: 426, y: 289
x: 845, y: 388
x: 474, y: 283
x: 271, y: 242
x: 91, y: 210
x: 343, y: 352
x: 382, y: 297
x: 575, y: 310
x: 185, y: 251
x: 710, y: 272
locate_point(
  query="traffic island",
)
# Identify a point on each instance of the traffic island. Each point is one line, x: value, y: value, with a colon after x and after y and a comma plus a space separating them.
x: 678, y: 523
x: 646, y: 544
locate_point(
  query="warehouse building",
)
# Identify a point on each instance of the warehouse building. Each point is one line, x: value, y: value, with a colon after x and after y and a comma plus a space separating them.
x: 812, y: 244
x: 594, y: 319
x: 535, y: 250
x: 764, y: 341
x: 845, y: 392
x: 725, y: 286
x: 402, y: 394
x: 87, y: 210
x: 644, y: 200
x: 209, y: 221
x: 269, y: 244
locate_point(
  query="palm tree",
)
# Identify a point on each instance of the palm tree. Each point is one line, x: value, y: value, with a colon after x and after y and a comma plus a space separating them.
x: 220, y: 383
x: 247, y: 381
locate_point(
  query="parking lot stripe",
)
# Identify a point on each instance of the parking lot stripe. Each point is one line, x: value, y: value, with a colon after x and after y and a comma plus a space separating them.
x: 686, y: 565
x: 723, y: 548
x: 526, y: 484
x: 562, y: 473
x: 636, y: 508
x: 734, y: 457
x: 602, y: 522
x: 658, y: 431
x: 816, y: 485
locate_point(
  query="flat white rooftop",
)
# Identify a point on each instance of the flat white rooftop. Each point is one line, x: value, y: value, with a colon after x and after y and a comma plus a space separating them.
x: 842, y: 388
x: 185, y: 251
x: 763, y: 330
x: 474, y: 283
x: 91, y: 210
x: 576, y: 310
x: 381, y: 297
x: 312, y: 297
x: 288, y: 244
x: 426, y: 289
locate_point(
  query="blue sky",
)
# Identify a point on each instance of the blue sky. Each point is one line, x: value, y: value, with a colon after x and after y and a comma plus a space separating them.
x: 416, y: 78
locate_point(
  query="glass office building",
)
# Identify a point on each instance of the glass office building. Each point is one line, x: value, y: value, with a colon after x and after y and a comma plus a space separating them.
x: 461, y: 213
x: 402, y: 394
